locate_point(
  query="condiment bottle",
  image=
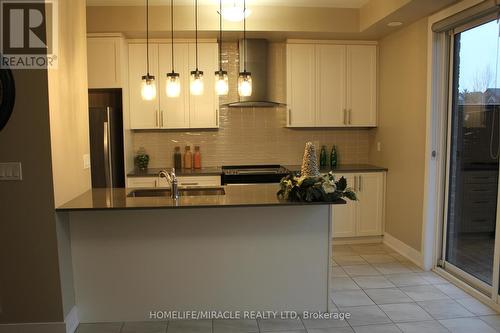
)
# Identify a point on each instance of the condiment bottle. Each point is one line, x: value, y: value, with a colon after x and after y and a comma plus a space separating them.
x: 177, y: 158
x: 322, y: 158
x: 334, y: 158
x: 197, y: 157
x: 188, y: 158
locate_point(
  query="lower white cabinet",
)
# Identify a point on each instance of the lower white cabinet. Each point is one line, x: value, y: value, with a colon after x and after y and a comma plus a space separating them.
x: 183, y: 181
x: 365, y: 216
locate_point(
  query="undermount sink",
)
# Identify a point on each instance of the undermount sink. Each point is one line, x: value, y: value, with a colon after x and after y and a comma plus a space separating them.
x: 185, y: 192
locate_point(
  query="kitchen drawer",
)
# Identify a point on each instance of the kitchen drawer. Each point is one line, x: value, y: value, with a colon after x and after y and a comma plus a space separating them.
x: 142, y: 182
x: 193, y: 181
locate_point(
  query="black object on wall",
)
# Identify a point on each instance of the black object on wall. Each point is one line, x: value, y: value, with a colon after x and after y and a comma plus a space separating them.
x: 7, y: 96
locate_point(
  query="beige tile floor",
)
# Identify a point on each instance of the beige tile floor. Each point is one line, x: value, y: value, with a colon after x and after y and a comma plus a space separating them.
x: 381, y: 290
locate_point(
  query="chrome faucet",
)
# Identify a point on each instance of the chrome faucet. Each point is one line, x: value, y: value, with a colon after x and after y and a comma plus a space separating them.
x: 172, y: 179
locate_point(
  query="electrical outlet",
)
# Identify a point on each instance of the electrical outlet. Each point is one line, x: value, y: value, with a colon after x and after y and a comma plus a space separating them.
x: 379, y: 146
x: 11, y: 171
x: 86, y: 161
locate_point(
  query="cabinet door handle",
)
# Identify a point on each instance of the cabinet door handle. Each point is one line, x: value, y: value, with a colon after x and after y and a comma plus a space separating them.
x: 190, y: 184
x: 161, y: 118
x: 350, y: 113
x: 217, y: 117
x: 345, y: 122
x: 157, y: 120
x: 355, y: 183
x: 360, y: 183
x: 289, y: 117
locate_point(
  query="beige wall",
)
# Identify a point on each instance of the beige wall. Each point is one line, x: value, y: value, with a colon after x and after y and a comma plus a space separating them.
x: 29, y: 278
x: 69, y: 104
x: 33, y: 273
x: 68, y: 101
x: 401, y: 131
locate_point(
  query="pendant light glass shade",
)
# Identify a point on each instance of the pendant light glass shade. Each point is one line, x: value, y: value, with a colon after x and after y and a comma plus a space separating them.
x: 173, y: 86
x: 148, y: 88
x: 245, y: 84
x: 197, y: 87
x: 221, y: 83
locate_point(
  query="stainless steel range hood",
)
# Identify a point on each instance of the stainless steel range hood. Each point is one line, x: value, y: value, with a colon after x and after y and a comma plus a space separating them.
x: 256, y: 54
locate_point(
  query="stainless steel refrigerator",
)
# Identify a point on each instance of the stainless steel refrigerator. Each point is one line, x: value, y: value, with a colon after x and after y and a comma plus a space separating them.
x: 106, y: 147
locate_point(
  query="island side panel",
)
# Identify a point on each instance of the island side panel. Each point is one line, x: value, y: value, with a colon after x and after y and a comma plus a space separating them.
x: 128, y: 263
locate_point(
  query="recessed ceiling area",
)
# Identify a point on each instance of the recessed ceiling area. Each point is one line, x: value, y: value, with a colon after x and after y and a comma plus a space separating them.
x: 287, y: 3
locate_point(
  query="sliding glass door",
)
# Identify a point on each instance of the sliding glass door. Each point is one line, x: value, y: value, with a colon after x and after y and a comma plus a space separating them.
x: 473, y: 155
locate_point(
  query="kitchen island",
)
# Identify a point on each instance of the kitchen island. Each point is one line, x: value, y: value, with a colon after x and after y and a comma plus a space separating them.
x: 245, y: 250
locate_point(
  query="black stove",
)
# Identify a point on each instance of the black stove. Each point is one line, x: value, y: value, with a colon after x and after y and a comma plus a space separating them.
x: 253, y: 174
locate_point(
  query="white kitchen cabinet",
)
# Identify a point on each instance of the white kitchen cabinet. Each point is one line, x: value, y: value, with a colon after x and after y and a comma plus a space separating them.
x: 203, y: 109
x: 301, y: 97
x: 362, y: 85
x: 175, y: 111
x: 142, y: 182
x: 365, y: 216
x: 143, y: 114
x: 370, y: 205
x: 185, y: 111
x: 104, y: 58
x: 331, y: 84
x: 344, y: 216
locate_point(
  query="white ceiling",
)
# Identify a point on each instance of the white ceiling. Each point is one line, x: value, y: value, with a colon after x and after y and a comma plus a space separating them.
x: 289, y: 3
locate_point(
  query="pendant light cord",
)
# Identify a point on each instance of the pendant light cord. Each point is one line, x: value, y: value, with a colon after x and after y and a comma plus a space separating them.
x: 172, y: 31
x: 220, y: 35
x: 196, y: 30
x: 244, y: 36
x: 147, y: 35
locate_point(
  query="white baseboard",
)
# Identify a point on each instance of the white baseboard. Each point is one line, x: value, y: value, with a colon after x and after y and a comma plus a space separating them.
x: 357, y: 240
x: 406, y: 251
x: 72, y: 321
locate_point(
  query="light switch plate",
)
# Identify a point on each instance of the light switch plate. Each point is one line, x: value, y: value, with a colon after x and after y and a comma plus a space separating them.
x: 86, y: 161
x: 11, y: 171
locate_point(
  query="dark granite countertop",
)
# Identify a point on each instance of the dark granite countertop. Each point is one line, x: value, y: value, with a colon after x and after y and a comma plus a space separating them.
x: 345, y: 168
x: 236, y: 196
x: 153, y: 172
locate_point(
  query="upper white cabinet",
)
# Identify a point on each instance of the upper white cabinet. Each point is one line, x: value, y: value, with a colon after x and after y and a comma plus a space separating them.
x: 331, y: 85
x: 365, y: 216
x: 143, y: 114
x: 104, y: 58
x: 185, y: 111
x: 175, y: 111
x: 301, y: 100
x: 362, y: 85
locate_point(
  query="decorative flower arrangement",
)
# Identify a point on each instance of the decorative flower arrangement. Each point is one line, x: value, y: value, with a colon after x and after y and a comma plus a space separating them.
x: 311, y: 186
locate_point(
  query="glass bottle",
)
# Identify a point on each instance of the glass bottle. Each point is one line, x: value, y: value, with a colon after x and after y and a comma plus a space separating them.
x: 188, y: 158
x: 334, y: 158
x: 197, y: 158
x: 322, y: 158
x: 177, y: 158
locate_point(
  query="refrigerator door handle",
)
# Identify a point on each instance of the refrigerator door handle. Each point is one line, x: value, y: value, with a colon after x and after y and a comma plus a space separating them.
x: 108, y: 160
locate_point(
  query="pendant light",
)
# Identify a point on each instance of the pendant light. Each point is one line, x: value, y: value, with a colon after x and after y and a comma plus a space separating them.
x: 148, y: 87
x: 221, y: 79
x: 196, y: 86
x: 173, y: 86
x: 245, y: 77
